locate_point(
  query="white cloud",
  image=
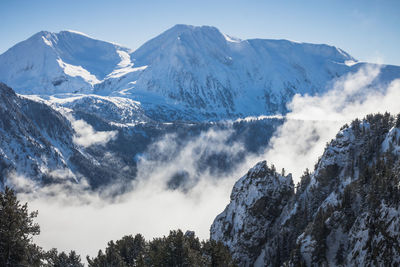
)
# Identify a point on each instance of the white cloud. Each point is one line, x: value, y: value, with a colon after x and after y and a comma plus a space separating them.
x: 62, y: 174
x: 171, y: 157
x: 71, y: 217
x: 87, y: 136
x: 315, y: 120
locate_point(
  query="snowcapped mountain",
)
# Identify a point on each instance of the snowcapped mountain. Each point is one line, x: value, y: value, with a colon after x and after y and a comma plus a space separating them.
x: 213, y: 73
x: 345, y: 213
x: 186, y: 73
x: 68, y: 61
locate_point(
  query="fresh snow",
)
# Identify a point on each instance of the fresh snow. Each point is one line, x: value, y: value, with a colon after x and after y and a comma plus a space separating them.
x: 232, y: 39
x: 78, y: 71
x: 186, y: 73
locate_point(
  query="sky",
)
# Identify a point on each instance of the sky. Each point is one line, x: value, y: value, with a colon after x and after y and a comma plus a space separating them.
x: 369, y: 30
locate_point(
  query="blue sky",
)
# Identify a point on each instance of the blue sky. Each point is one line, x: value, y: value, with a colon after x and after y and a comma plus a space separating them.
x: 369, y: 30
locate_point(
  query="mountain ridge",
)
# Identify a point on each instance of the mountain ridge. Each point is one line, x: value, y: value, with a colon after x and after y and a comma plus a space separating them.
x: 186, y: 73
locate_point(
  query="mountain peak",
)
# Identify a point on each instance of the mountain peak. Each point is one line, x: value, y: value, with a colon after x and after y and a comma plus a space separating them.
x: 41, y: 33
x: 67, y: 35
x: 50, y: 39
x: 181, y: 27
x: 189, y: 31
x: 179, y: 39
x: 186, y: 27
x: 75, y: 33
x: 70, y: 61
x: 72, y: 32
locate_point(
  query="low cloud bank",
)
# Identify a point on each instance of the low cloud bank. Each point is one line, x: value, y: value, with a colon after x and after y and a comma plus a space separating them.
x: 71, y: 217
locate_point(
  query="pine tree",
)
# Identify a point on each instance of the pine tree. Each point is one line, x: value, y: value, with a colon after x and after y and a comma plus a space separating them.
x: 398, y: 121
x: 110, y: 258
x: 176, y: 249
x: 16, y: 231
x: 217, y: 254
x: 131, y: 248
x: 55, y: 259
x: 340, y: 255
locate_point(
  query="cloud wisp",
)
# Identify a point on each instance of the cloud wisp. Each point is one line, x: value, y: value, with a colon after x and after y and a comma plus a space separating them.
x: 86, y: 136
x: 315, y: 120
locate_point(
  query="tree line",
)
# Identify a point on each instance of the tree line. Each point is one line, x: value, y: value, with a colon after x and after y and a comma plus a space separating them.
x: 17, y: 249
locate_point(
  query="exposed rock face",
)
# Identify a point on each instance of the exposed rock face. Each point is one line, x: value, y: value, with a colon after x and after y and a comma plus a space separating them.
x: 345, y: 213
x: 257, y: 199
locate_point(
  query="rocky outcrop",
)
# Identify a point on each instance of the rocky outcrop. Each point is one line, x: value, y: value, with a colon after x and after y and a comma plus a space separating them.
x: 345, y: 213
x: 257, y: 199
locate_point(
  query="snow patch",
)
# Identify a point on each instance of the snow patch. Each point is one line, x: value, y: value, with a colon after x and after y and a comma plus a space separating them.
x: 350, y: 63
x: 47, y: 42
x: 231, y: 39
x: 125, y: 59
x: 80, y: 33
x: 78, y: 71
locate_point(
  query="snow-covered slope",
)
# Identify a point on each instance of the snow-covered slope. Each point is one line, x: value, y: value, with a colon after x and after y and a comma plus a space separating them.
x: 102, y: 138
x: 200, y: 68
x: 34, y: 139
x: 186, y: 73
x: 345, y: 213
x: 38, y: 142
x: 67, y: 61
x: 118, y: 110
